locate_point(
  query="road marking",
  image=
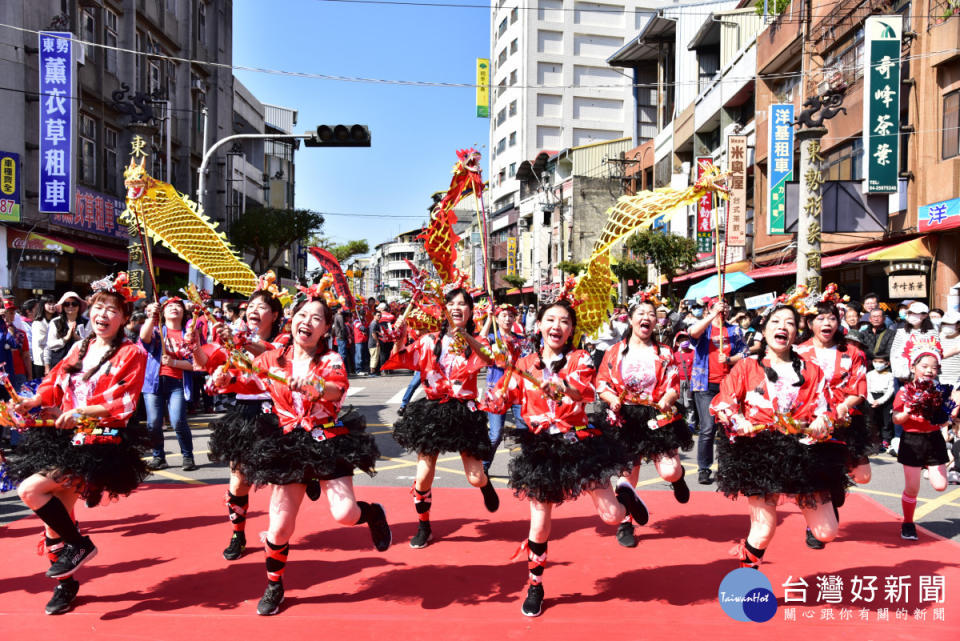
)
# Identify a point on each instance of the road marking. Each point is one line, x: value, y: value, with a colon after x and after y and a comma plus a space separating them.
x: 397, y: 398
x: 945, y: 498
x: 150, y: 458
x: 354, y: 390
x: 177, y: 477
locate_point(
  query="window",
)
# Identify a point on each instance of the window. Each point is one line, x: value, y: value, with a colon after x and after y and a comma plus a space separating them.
x: 88, y: 150
x: 513, y: 108
x: 513, y: 77
x: 138, y: 61
x: 502, y: 28
x: 89, y: 29
x: 501, y: 88
x: 785, y: 90
x: 502, y: 58
x: 951, y: 124
x: 172, y: 7
x: 514, y: 14
x: 844, y: 163
x: 154, y: 83
x: 110, y: 39
x: 513, y: 139
x: 202, y: 23
x: 846, y: 62
x: 513, y: 169
x: 501, y: 176
x: 110, y: 162
x: 502, y: 145
x: 513, y: 47
x: 501, y: 117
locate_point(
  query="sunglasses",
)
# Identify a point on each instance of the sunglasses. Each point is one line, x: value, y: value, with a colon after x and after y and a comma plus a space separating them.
x: 71, y: 303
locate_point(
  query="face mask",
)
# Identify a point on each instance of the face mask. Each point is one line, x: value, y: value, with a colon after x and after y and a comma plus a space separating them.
x: 936, y: 322
x: 949, y: 329
x: 880, y: 366
x: 914, y: 319
x: 697, y: 311
x: 902, y: 314
x: 684, y: 345
x: 661, y: 321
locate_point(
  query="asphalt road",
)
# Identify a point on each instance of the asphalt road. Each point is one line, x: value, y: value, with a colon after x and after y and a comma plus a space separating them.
x: 379, y: 398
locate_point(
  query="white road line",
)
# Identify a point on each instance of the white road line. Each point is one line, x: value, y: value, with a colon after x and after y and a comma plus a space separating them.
x: 355, y: 390
x: 398, y: 397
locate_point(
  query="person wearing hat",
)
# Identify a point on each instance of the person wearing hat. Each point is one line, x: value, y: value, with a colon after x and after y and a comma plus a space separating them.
x: 950, y: 341
x: 69, y: 327
x: 922, y: 445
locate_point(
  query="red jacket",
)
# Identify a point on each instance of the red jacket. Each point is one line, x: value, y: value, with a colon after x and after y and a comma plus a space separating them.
x: 610, y: 375
x: 456, y: 378
x: 848, y: 376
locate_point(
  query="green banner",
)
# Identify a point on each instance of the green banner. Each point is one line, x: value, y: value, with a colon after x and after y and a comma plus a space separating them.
x: 881, y: 114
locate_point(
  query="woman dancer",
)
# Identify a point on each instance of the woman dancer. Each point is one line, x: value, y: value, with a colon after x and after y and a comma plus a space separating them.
x: 448, y: 419
x: 638, y: 380
x: 561, y: 454
x: 845, y: 376
x: 89, y: 451
x: 763, y: 397
x: 302, y: 439
x: 231, y: 435
x: 922, y: 406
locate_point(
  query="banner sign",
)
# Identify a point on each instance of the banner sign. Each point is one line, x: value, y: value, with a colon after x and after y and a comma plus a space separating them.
x: 511, y: 257
x: 9, y: 187
x: 56, y: 121
x: 763, y: 300
x: 704, y: 211
x: 881, y: 110
x: 937, y: 216
x: 907, y: 286
x: 95, y: 213
x: 332, y: 266
x: 736, y: 232
x: 483, y: 88
x: 779, y: 166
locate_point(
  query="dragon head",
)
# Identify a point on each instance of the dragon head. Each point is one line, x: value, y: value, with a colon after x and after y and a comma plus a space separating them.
x: 469, y: 159
x: 135, y: 179
x: 713, y: 179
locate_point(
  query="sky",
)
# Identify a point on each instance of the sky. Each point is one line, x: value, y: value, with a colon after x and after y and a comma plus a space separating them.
x: 415, y: 131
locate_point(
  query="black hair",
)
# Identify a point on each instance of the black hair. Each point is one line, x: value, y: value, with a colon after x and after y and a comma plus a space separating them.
x: 445, y: 326
x: 115, y: 342
x: 629, y: 333
x: 275, y: 306
x: 568, y: 346
x: 935, y: 309
x: 795, y: 360
x: 828, y: 307
x: 871, y: 295
x: 60, y: 320
x: 854, y: 305
x: 322, y: 343
x: 183, y: 316
x: 27, y: 306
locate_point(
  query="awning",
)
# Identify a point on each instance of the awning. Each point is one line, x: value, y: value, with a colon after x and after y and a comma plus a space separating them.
x: 22, y: 240
x: 118, y: 254
x: 922, y: 247
x: 710, y: 286
x: 739, y: 266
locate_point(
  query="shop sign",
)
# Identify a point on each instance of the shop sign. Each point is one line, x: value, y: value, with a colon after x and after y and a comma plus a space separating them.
x: 881, y: 113
x: 56, y: 121
x: 913, y: 286
x: 939, y: 216
x: 906, y: 267
x: 704, y: 211
x: 95, y: 213
x: 483, y: 88
x: 736, y: 232
x: 763, y: 300
x: 512, y: 256
x: 779, y: 166
x: 9, y: 187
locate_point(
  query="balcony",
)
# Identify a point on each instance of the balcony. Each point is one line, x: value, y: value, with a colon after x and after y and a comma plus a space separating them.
x: 395, y: 266
x: 402, y: 248
x: 737, y: 82
x: 779, y: 44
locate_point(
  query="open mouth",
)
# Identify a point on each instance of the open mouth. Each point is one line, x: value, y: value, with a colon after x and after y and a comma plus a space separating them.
x: 303, y: 332
x: 645, y: 324
x: 101, y: 324
x: 781, y: 337
x: 456, y: 315
x: 555, y: 335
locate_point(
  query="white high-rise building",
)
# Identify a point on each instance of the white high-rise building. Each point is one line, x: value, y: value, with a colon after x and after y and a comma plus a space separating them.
x: 551, y: 86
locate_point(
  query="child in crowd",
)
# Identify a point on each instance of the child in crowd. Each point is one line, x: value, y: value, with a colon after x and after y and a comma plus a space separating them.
x: 880, y: 397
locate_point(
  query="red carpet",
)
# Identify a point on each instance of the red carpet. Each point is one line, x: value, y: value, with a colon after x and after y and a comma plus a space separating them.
x: 159, y: 574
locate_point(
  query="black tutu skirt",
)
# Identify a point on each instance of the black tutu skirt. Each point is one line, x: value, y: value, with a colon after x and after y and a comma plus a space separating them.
x: 857, y: 441
x: 777, y: 466
x: 115, y: 469
x: 275, y: 458
x: 431, y: 428
x: 232, y: 435
x: 552, y: 469
x: 922, y: 449
x: 639, y: 441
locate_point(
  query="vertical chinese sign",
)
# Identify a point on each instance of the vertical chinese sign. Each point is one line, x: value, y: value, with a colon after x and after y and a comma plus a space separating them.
x: 512, y: 256
x: 704, y: 211
x: 56, y: 121
x: 779, y: 166
x: 737, y: 203
x: 9, y: 187
x: 483, y: 88
x: 137, y: 260
x: 881, y: 113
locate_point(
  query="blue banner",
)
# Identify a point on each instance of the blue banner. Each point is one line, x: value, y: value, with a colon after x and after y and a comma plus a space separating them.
x: 96, y: 213
x: 56, y: 121
x: 779, y: 166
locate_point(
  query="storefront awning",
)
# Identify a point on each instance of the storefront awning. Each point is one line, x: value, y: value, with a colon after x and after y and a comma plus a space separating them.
x: 739, y: 266
x: 917, y: 248
x: 116, y: 254
x: 922, y: 247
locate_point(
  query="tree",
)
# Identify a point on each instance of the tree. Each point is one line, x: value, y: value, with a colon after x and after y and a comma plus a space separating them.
x: 514, y: 280
x: 267, y: 233
x: 348, y: 249
x: 669, y: 253
x: 774, y: 7
x: 628, y: 269
x: 571, y: 267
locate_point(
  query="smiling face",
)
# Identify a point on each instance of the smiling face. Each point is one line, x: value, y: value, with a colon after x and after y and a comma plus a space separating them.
x: 642, y: 320
x: 260, y: 316
x: 926, y: 368
x: 310, y: 324
x: 460, y: 310
x: 825, y: 327
x: 505, y: 320
x: 107, y: 315
x: 173, y: 314
x: 781, y: 330
x: 556, y: 327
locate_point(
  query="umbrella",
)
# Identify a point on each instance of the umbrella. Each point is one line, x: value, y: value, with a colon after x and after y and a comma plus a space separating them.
x: 710, y: 286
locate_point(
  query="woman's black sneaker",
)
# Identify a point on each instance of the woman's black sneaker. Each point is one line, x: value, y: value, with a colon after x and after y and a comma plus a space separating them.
x: 422, y: 537
x: 63, y: 596
x: 680, y: 490
x: 908, y: 532
x: 490, y: 499
x: 625, y: 536
x: 813, y: 542
x: 72, y: 557
x: 271, y: 599
x: 379, y: 528
x: 238, y: 545
x: 628, y: 497
x: 533, y: 604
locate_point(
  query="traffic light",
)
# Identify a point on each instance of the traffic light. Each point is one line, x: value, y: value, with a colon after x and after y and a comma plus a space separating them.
x: 339, y: 136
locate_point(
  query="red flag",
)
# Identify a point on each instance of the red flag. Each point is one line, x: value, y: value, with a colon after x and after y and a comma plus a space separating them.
x: 332, y: 266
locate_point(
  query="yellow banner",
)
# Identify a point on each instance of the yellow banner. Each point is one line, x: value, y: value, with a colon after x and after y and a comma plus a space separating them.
x: 483, y: 88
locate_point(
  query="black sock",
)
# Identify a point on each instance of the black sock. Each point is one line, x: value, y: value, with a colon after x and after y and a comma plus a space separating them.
x: 488, y: 488
x: 752, y: 550
x: 366, y: 512
x: 680, y: 480
x: 537, y: 548
x: 55, y: 515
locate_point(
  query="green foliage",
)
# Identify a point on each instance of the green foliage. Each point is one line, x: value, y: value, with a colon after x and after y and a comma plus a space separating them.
x: 348, y: 249
x: 267, y: 233
x: 774, y: 7
x: 514, y: 280
x: 669, y: 253
x: 571, y: 267
x: 630, y: 270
